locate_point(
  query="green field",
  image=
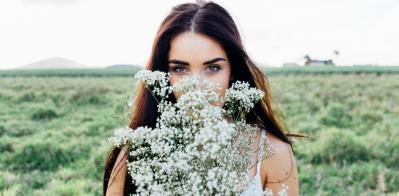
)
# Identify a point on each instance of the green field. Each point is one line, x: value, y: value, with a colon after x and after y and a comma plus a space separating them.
x: 54, y: 129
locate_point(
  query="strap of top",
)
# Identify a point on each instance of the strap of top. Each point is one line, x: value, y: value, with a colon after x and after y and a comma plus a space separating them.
x: 260, y: 152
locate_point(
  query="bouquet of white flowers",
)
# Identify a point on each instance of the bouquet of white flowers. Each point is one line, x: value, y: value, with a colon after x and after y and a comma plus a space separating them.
x: 194, y: 149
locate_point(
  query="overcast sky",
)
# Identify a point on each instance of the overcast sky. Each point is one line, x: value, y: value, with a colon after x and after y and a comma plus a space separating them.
x: 106, y: 32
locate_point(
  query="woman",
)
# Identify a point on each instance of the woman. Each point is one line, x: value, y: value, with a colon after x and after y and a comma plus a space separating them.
x: 202, y: 39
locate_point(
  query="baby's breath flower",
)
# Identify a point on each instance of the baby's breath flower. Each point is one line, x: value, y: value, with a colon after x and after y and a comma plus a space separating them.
x: 121, y: 136
x: 195, y: 84
x: 240, y: 98
x: 156, y: 81
x: 191, y: 148
x: 152, y: 77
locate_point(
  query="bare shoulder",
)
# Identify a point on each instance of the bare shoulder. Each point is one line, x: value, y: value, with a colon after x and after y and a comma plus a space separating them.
x: 280, y: 169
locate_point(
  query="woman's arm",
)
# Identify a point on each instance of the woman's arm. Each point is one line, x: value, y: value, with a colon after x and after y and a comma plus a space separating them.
x: 280, y: 169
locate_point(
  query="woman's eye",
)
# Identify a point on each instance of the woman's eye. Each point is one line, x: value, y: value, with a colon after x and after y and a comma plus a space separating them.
x: 214, y: 67
x: 179, y: 69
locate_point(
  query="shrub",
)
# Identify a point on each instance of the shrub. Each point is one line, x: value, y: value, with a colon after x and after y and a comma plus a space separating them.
x: 26, y: 97
x: 326, y: 179
x: 19, y: 129
x: 392, y: 180
x: 43, y: 156
x: 87, y: 98
x: 44, y: 114
x: 2, y: 130
x: 389, y: 152
x: 11, y: 191
x: 339, y: 146
x: 6, y: 145
x: 336, y: 115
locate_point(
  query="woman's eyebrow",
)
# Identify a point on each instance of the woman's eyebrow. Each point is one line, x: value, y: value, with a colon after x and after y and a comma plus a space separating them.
x: 214, y: 60
x: 205, y: 63
x: 178, y: 62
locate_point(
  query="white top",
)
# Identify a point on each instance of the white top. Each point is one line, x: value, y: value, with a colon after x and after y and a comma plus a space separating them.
x: 255, y: 185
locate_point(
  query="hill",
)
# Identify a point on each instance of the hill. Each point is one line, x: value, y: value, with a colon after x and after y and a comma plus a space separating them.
x: 54, y: 63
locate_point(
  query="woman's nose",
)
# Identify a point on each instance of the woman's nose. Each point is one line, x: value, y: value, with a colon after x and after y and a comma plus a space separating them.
x: 199, y: 74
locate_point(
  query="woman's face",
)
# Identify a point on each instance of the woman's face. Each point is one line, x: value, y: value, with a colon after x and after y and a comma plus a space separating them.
x: 194, y: 54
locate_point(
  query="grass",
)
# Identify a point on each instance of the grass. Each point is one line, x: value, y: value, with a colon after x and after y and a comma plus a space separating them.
x: 53, y: 131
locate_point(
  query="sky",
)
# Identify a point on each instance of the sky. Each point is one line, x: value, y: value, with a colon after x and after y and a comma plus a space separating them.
x: 107, y: 32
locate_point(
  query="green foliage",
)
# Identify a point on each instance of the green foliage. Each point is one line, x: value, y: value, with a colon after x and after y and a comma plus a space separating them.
x: 27, y: 97
x: 389, y: 151
x: 345, y: 180
x: 54, y: 132
x: 2, y: 130
x: 43, y: 114
x: 338, y: 146
x: 336, y: 115
x: 87, y: 97
x: 44, y: 156
x: 352, y: 125
x: 6, y: 144
x: 17, y: 129
x: 11, y: 191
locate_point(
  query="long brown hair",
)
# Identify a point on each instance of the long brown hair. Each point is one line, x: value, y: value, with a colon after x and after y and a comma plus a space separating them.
x: 212, y: 20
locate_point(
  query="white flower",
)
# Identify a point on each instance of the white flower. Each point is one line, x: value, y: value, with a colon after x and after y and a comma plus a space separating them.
x: 241, y: 98
x: 191, y: 148
x: 194, y: 84
x: 121, y: 136
x: 157, y: 81
x: 152, y: 77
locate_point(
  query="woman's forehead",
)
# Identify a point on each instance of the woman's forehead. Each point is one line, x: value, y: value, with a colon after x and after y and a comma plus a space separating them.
x: 189, y: 46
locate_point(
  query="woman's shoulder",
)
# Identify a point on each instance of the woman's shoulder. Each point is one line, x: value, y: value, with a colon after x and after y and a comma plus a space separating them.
x: 279, y: 168
x: 117, y: 178
x: 282, y: 156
